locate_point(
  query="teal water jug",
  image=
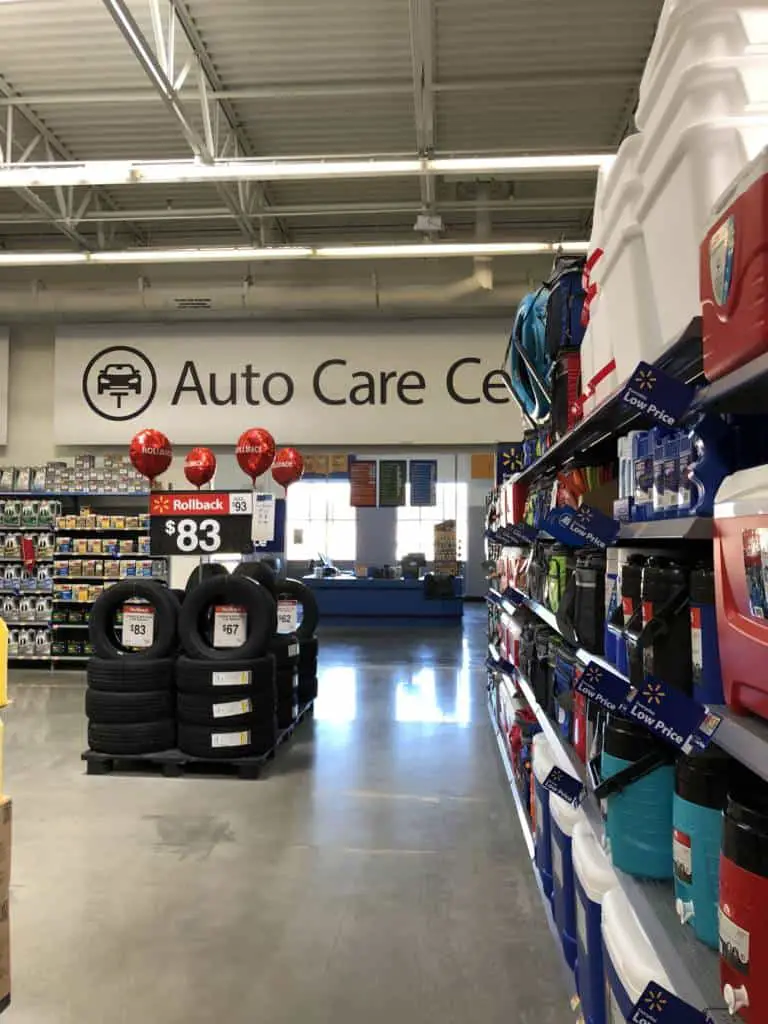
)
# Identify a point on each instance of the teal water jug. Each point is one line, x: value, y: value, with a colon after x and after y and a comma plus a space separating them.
x: 701, y: 792
x: 638, y: 784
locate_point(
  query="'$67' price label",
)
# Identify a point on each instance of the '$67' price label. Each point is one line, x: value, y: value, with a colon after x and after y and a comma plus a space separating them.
x: 195, y: 534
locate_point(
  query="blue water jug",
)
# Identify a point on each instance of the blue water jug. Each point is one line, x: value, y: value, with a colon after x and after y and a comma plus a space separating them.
x: 543, y: 763
x: 705, y: 653
x: 593, y: 878
x: 564, y: 818
x: 638, y: 784
x: 701, y: 791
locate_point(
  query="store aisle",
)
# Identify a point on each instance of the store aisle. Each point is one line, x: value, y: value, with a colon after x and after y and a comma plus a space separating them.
x: 376, y: 874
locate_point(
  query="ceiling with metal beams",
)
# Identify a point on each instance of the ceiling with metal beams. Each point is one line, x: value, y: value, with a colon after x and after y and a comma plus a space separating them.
x: 311, y: 79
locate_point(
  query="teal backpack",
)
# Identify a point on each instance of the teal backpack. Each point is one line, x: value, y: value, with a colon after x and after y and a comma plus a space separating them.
x: 530, y: 362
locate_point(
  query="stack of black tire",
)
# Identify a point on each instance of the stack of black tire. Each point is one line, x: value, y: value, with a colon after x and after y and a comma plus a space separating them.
x: 295, y: 653
x: 130, y: 702
x: 227, y: 697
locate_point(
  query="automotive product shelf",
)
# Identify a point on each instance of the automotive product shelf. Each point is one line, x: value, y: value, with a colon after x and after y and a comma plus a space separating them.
x: 26, y: 622
x: 69, y: 625
x: 692, y: 967
x: 20, y: 561
x: 68, y: 657
x: 595, y: 436
x: 105, y: 555
x: 74, y: 494
x: 102, y: 529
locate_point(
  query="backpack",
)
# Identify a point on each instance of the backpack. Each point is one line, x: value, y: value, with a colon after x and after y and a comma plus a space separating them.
x: 529, y: 359
x: 564, y: 306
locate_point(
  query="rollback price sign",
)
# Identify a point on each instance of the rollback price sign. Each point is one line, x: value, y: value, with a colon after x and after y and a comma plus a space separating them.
x: 200, y: 522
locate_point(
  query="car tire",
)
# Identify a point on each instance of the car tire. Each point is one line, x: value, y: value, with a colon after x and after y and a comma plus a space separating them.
x: 214, y: 678
x: 128, y: 740
x: 199, y: 709
x: 128, y: 708
x: 294, y: 590
x: 259, y: 571
x: 124, y: 675
x: 198, y: 741
x: 280, y: 645
x: 307, y: 651
x: 103, y: 635
x: 307, y: 689
x: 206, y: 571
x: 227, y: 590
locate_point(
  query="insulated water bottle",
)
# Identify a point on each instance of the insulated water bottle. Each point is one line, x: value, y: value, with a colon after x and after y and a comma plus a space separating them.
x: 701, y: 791
x: 639, y: 809
x: 705, y: 653
x: 666, y: 635
x: 743, y: 899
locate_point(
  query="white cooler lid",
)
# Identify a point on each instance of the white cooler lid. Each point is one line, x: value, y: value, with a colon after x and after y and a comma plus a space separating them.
x: 566, y: 815
x: 629, y: 947
x: 743, y: 494
x: 591, y: 863
x: 756, y: 168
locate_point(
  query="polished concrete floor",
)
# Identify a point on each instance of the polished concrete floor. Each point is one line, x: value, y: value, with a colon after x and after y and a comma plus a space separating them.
x: 375, y: 875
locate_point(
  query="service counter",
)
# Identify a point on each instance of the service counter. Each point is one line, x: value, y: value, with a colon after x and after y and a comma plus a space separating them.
x: 382, y: 602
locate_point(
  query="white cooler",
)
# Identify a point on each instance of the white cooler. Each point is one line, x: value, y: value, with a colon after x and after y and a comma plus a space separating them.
x: 683, y: 173
x: 693, y: 31
x: 629, y: 961
x: 627, y: 295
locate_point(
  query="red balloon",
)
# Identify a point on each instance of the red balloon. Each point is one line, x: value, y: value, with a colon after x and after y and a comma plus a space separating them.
x: 199, y: 466
x: 288, y: 467
x: 255, y: 451
x: 151, y: 453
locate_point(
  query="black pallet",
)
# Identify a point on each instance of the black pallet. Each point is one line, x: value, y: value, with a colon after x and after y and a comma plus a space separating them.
x: 175, y: 763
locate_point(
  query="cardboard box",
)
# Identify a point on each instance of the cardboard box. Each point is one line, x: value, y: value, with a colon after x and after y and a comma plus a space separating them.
x: 5, y: 845
x: 5, y: 954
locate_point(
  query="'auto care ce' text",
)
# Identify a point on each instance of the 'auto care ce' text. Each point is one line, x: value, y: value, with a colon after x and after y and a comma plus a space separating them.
x: 335, y: 384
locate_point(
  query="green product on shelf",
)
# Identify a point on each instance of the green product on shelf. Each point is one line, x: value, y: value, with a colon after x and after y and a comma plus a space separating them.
x: 59, y: 615
x: 88, y: 648
x: 11, y: 512
x: 74, y: 648
x: 59, y: 648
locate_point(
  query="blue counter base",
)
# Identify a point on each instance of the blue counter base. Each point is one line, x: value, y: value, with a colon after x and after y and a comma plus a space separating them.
x: 390, y: 603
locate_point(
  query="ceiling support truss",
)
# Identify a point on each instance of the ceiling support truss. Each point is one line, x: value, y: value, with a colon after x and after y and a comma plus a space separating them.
x: 213, y: 131
x: 421, y: 19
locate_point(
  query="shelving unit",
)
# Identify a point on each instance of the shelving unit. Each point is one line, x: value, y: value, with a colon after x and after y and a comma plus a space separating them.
x: 692, y: 967
x: 112, y: 503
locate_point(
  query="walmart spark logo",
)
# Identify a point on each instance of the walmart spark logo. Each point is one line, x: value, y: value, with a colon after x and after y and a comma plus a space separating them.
x: 159, y: 505
x: 585, y: 513
x: 591, y: 675
x: 653, y: 693
x: 645, y: 380
x: 655, y: 1000
x: 510, y: 460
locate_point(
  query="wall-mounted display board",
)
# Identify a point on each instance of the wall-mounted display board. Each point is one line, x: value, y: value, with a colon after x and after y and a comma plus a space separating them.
x: 423, y: 480
x: 393, y: 474
x: 362, y: 479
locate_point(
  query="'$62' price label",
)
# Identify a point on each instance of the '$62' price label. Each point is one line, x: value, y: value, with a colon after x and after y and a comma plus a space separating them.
x: 195, y: 534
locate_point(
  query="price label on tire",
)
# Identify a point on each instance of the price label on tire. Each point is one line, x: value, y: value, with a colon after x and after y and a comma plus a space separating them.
x: 287, y: 616
x: 229, y: 625
x: 138, y: 625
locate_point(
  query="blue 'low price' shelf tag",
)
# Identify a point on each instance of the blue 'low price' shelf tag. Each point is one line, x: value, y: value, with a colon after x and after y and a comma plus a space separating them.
x: 658, y: 395
x: 520, y: 533
x: 565, y: 786
x: 605, y: 688
x: 671, y: 715
x: 657, y: 1006
x: 582, y: 527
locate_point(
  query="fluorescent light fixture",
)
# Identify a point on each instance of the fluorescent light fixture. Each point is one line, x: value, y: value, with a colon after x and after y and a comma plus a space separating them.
x: 211, y: 254
x: 251, y: 254
x: 507, y: 164
x: 167, y: 172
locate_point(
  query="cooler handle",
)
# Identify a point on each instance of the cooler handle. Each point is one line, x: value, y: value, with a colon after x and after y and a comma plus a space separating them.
x: 633, y: 773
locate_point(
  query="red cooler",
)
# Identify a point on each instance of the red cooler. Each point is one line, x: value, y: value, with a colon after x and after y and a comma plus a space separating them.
x: 733, y: 273
x: 741, y: 588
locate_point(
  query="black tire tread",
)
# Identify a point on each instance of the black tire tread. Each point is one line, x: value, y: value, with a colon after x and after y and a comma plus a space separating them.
x: 127, y: 740
x: 128, y: 708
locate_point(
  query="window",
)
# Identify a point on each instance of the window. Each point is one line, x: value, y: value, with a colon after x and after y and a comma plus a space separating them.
x: 320, y: 519
x: 415, y: 526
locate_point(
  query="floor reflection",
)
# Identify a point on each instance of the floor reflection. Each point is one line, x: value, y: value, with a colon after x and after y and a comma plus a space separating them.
x: 337, y: 694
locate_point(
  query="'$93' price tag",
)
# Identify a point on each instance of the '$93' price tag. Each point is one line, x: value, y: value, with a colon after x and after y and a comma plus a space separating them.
x: 195, y: 534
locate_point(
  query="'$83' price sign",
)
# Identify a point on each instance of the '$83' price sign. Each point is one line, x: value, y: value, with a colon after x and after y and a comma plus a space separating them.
x: 194, y: 535
x: 200, y: 522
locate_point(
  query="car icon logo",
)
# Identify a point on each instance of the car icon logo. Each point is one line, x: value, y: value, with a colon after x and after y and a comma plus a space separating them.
x: 118, y: 380
x: 119, y: 383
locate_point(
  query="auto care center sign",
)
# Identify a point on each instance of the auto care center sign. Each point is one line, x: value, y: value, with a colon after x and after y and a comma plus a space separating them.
x: 414, y: 382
